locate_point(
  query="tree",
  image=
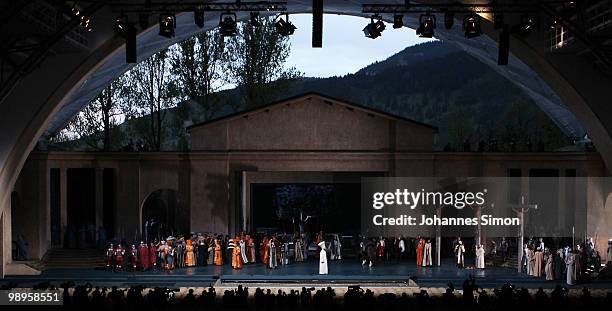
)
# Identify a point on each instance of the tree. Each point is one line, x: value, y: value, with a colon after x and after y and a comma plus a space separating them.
x: 198, y: 64
x: 94, y: 125
x: 256, y: 59
x: 147, y: 93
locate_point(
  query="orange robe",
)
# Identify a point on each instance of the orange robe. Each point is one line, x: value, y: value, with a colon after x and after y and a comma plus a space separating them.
x: 419, y: 252
x: 218, y: 258
x: 266, y: 254
x: 237, y: 257
x: 190, y: 256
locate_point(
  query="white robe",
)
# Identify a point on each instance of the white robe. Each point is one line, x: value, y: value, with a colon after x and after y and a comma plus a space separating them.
x: 571, y: 269
x: 322, y: 259
x: 427, y: 258
x: 480, y: 261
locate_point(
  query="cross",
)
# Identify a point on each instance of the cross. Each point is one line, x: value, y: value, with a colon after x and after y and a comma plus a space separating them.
x: 520, y: 210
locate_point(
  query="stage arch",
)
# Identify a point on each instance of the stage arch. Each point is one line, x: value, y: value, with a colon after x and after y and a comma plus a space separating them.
x: 162, y: 214
x: 63, y: 78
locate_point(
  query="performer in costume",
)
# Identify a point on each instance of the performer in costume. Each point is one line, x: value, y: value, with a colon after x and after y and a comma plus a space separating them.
x: 530, y: 261
x: 459, y: 254
x: 380, y: 248
x: 231, y: 244
x: 480, y: 262
x: 571, y: 268
x: 272, y: 254
x: 237, y: 255
x: 265, y: 253
x: 297, y: 244
x: 180, y: 253
x: 250, y: 248
x: 368, y: 252
x: 189, y: 255
x: 202, y: 252
x: 218, y: 253
x: 537, y: 262
x: 548, y: 269
x: 243, y: 251
x: 419, y: 252
x: 170, y: 254
x: 133, y: 257
x: 110, y: 255
x: 322, y: 258
x: 427, y: 257
x: 143, y: 256
x: 211, y: 251
x: 119, y: 254
x: 559, y: 265
x: 152, y: 256
x: 336, y: 248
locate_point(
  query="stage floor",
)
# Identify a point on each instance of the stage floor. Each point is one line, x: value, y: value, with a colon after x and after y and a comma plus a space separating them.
x: 341, y: 272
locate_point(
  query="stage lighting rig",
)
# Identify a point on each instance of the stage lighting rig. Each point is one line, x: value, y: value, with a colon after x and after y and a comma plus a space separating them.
x: 526, y: 26
x: 449, y: 19
x: 198, y: 17
x: 127, y: 31
x: 375, y: 28
x: 228, y: 24
x: 167, y: 24
x: 427, y: 25
x: 471, y: 26
x: 284, y: 26
x: 398, y: 21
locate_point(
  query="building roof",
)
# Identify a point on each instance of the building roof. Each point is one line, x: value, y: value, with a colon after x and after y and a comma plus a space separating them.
x: 308, y: 96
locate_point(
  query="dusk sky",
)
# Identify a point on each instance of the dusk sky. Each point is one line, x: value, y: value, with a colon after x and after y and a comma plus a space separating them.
x: 345, y: 48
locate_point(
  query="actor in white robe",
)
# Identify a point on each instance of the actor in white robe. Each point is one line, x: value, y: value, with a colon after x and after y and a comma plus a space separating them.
x: 459, y: 252
x: 480, y: 261
x: 243, y: 252
x: 322, y: 259
x: 530, y: 260
x: 427, y: 257
x: 548, y: 268
x: 571, y: 268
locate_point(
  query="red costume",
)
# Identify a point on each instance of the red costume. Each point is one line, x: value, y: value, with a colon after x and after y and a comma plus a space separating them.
x: 143, y: 253
x: 153, y: 256
x: 419, y: 251
x: 133, y: 257
x: 119, y: 253
x: 110, y: 252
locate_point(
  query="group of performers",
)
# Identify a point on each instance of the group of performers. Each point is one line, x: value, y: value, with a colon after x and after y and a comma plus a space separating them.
x: 538, y: 260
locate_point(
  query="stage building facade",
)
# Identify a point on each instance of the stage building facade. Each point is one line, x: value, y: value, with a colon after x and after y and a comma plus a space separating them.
x: 309, y: 138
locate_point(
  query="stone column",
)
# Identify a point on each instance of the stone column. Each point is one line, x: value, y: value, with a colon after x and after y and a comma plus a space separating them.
x: 99, y: 183
x: 63, y: 204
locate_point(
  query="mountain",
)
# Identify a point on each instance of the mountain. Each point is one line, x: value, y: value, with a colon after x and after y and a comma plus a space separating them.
x: 433, y: 83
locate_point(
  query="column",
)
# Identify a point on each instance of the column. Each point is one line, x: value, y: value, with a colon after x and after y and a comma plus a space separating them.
x: 63, y: 204
x: 99, y: 184
x: 438, y: 237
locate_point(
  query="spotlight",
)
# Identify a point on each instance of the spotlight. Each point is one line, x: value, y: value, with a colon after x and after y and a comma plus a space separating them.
x: 398, y: 21
x: 255, y: 19
x: 498, y: 21
x: 449, y: 19
x: 284, y: 26
x: 198, y: 17
x: 121, y: 25
x: 553, y: 24
x: 85, y: 22
x: 471, y: 26
x: 167, y: 24
x: 569, y: 9
x: 427, y: 24
x: 227, y: 24
x: 374, y: 29
x: 526, y: 26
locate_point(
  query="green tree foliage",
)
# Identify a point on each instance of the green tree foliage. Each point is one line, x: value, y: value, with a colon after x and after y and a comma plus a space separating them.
x: 256, y: 62
x: 96, y: 124
x: 148, y: 98
x: 197, y: 65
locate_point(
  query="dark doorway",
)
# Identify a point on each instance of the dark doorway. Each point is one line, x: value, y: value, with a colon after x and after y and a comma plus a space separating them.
x: 332, y: 207
x: 108, y: 216
x: 55, y: 206
x: 81, y: 207
x: 162, y: 215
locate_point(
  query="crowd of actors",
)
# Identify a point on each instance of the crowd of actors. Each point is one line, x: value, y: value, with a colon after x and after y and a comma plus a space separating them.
x: 573, y: 265
x: 211, y: 249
